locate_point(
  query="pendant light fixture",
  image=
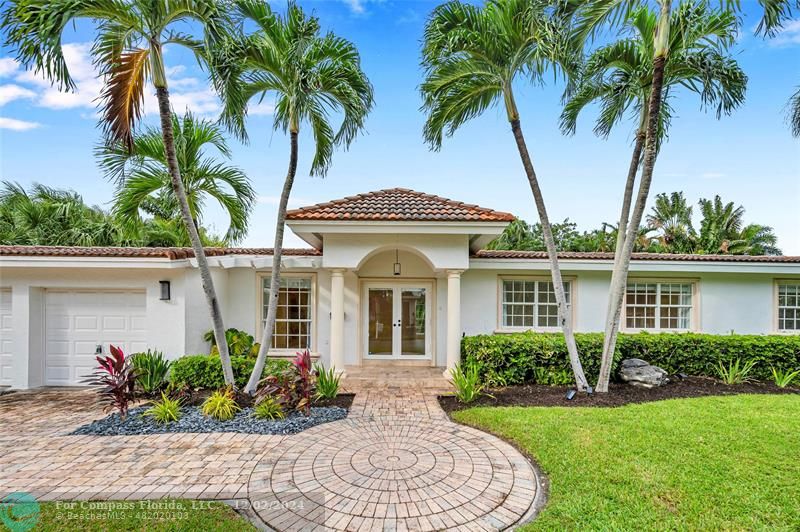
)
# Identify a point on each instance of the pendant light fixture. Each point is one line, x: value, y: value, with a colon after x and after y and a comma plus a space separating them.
x: 396, y: 261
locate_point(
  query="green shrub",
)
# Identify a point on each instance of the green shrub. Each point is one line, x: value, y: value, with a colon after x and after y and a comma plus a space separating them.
x: 164, y: 411
x: 466, y: 382
x: 784, y: 378
x: 151, y: 370
x: 205, y: 371
x: 735, y: 372
x: 504, y: 359
x: 239, y: 343
x: 221, y: 405
x: 269, y: 408
x: 327, y: 382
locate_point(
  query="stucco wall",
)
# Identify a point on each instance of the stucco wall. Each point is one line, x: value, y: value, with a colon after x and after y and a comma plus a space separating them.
x: 166, y: 323
x: 739, y: 303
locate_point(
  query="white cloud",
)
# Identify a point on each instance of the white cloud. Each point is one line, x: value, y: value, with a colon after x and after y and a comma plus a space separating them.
x: 7, y: 66
x: 17, y: 125
x: 356, y: 6
x: 712, y: 175
x: 261, y: 109
x: 9, y: 93
x: 187, y: 92
x: 788, y: 36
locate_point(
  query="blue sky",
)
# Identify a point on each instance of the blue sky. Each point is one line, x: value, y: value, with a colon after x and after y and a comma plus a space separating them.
x: 749, y: 157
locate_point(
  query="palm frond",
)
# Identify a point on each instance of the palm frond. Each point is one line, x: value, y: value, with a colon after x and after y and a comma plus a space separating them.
x: 123, y: 95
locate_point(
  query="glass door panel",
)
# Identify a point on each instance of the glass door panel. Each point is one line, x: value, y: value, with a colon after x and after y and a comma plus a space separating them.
x: 381, y: 321
x: 413, y: 317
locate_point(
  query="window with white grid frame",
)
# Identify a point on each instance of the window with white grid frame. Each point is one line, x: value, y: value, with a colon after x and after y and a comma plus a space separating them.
x: 530, y: 304
x: 789, y: 307
x: 294, y: 312
x: 659, y: 306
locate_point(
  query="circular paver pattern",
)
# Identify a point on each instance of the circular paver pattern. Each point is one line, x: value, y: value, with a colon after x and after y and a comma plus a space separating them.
x: 393, y: 473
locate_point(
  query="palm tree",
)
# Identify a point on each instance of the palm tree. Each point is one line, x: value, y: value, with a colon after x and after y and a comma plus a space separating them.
x: 472, y: 56
x: 671, y: 216
x: 755, y: 239
x: 687, y: 48
x: 146, y: 186
x: 310, y: 76
x: 128, y: 49
x: 722, y: 230
x: 793, y: 115
x: 50, y: 217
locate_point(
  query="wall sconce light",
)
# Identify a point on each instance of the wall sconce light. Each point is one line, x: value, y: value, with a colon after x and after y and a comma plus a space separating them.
x: 165, y: 290
x: 396, y: 262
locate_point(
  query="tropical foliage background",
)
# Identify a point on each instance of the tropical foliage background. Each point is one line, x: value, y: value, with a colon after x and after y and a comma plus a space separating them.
x: 669, y: 228
x: 44, y: 216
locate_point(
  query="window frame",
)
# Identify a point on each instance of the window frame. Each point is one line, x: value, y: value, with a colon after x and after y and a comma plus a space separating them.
x: 694, y: 318
x: 570, y: 280
x: 260, y: 306
x: 776, y: 308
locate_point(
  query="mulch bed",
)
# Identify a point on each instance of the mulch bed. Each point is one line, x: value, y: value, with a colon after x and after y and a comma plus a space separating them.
x: 343, y: 400
x: 618, y: 394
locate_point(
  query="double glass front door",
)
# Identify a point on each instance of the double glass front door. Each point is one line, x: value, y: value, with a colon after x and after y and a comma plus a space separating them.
x: 397, y: 320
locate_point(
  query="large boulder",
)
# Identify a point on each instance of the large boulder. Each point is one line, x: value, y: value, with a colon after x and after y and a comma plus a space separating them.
x: 637, y: 372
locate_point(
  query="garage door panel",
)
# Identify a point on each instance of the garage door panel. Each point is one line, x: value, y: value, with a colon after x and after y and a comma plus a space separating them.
x: 79, y: 321
x: 139, y: 324
x: 116, y: 323
x: 56, y: 321
x: 86, y: 324
x: 6, y: 338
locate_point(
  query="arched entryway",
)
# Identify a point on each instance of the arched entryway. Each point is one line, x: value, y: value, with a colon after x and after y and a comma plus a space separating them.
x: 397, y: 289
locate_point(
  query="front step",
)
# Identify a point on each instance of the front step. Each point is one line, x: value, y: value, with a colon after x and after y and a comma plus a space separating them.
x: 395, y: 376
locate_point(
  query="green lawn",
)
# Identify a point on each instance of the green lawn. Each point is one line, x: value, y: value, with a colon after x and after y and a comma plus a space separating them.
x: 715, y: 463
x: 192, y: 516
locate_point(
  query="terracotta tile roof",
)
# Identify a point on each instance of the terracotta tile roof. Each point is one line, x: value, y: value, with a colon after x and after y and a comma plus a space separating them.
x: 118, y: 252
x: 400, y: 204
x: 581, y: 255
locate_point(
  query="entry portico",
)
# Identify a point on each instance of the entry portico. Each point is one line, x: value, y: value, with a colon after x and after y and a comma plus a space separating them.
x: 400, y: 254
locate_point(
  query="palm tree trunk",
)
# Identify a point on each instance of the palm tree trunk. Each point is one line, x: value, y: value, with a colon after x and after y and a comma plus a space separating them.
x: 275, y: 280
x: 180, y: 194
x: 620, y: 279
x: 564, y: 316
x: 622, y: 229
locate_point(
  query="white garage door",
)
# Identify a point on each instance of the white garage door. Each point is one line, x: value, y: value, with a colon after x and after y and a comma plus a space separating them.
x: 78, y: 321
x: 6, y: 337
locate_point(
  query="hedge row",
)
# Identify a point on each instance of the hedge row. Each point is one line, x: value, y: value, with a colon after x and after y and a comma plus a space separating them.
x: 505, y: 359
x: 205, y: 371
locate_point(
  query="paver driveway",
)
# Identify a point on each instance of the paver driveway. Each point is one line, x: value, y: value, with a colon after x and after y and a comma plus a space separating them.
x: 396, y: 463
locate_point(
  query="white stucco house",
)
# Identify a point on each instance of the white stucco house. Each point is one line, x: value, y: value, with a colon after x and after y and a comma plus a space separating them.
x: 390, y: 277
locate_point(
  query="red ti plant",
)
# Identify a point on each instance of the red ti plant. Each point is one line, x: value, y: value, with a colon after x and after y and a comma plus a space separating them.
x: 304, y: 381
x: 116, y: 376
x: 292, y: 388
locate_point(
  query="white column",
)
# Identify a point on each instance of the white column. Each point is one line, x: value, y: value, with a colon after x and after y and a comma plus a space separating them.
x: 453, y: 320
x: 337, y: 320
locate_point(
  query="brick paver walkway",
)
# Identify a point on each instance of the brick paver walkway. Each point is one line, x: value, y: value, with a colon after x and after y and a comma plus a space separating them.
x: 396, y: 463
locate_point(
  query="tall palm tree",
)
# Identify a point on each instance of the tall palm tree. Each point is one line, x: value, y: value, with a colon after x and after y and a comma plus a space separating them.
x: 671, y: 217
x: 685, y: 48
x: 145, y: 184
x: 128, y: 49
x: 310, y: 76
x: 472, y: 57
